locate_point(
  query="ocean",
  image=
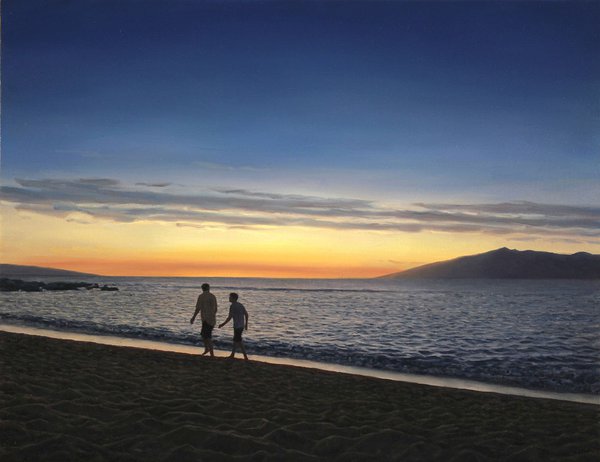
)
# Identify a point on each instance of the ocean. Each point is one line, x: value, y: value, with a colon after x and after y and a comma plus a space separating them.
x: 536, y: 334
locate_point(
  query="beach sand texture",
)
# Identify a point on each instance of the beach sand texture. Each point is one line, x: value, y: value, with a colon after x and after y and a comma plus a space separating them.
x: 65, y: 400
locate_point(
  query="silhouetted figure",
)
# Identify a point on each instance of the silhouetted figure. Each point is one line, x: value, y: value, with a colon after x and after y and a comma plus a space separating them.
x: 240, y: 323
x: 207, y: 307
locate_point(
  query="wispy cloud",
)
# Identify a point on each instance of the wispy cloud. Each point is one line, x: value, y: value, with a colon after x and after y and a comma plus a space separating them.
x: 226, y: 167
x: 516, y: 208
x: 154, y: 185
x: 110, y: 199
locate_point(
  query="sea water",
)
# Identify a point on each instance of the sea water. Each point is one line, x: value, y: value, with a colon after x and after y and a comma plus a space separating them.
x: 535, y: 334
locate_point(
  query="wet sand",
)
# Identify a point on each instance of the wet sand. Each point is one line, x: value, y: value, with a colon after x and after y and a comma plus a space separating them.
x: 65, y: 400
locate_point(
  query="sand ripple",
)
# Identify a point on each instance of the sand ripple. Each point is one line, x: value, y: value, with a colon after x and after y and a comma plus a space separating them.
x: 63, y: 400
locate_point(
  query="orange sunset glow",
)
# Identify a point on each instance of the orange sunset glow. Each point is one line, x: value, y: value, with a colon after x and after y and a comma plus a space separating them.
x: 164, y: 249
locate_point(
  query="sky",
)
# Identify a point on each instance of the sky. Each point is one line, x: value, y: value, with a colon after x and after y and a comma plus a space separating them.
x: 296, y: 139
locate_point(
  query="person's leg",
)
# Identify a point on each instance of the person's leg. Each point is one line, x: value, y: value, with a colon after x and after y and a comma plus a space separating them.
x: 209, y: 340
x: 241, y: 347
x: 237, y: 338
x: 243, y: 350
x: 205, y: 334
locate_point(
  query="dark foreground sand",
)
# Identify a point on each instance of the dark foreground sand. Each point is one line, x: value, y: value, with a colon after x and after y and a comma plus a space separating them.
x: 64, y: 400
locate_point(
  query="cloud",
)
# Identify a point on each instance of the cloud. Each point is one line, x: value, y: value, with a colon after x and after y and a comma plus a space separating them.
x: 80, y: 222
x: 218, y: 166
x: 564, y: 240
x: 518, y: 207
x: 154, y: 185
x: 192, y: 225
x: 110, y: 199
x: 520, y: 214
x: 302, y: 201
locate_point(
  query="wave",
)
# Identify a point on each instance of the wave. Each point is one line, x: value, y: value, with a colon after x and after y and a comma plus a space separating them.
x: 529, y: 374
x: 282, y: 289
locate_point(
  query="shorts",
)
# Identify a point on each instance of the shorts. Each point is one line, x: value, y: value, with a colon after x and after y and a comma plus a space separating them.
x: 206, y: 331
x: 237, y: 334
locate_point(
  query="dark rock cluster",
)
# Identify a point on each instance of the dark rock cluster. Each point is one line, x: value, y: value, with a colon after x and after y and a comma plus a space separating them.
x: 17, y: 285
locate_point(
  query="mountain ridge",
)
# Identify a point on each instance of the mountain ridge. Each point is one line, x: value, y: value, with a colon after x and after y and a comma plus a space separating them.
x: 20, y: 271
x: 505, y: 263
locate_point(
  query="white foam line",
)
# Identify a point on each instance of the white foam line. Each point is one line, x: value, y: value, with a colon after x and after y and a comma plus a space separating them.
x: 445, y: 382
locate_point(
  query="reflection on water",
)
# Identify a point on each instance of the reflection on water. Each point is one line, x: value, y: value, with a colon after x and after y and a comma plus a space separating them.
x: 537, y: 334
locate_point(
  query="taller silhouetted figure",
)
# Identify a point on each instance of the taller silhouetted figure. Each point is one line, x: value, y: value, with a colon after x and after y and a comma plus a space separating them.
x: 207, y: 307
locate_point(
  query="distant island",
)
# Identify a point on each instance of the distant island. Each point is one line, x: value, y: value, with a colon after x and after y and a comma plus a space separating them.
x: 10, y: 283
x: 20, y: 271
x: 505, y: 263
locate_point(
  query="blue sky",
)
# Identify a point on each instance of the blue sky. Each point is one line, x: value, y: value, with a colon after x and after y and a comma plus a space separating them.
x: 394, y: 102
x: 380, y: 85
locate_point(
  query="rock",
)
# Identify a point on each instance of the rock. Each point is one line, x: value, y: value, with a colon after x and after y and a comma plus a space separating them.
x: 66, y: 285
x: 16, y: 285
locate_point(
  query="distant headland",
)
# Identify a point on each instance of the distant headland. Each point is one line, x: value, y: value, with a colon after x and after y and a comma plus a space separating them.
x: 20, y: 271
x: 505, y: 263
x: 9, y: 283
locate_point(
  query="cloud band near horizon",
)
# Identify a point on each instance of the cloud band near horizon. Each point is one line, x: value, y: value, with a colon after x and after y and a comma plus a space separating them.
x: 110, y: 199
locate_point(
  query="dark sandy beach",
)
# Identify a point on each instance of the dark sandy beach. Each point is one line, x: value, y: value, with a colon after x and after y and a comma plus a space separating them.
x: 65, y: 400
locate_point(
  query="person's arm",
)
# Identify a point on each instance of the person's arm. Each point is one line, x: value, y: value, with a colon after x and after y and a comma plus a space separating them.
x: 196, y: 312
x: 226, y: 321
x: 246, y: 316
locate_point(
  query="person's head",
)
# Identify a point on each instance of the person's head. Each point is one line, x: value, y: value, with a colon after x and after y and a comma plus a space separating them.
x: 233, y: 297
x: 205, y: 287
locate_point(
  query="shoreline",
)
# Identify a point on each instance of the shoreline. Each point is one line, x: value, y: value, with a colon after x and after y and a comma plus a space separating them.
x: 444, y: 382
x: 69, y: 400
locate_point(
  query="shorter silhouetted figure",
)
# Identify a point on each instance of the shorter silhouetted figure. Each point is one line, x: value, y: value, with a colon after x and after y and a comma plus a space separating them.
x: 207, y: 307
x: 240, y: 323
